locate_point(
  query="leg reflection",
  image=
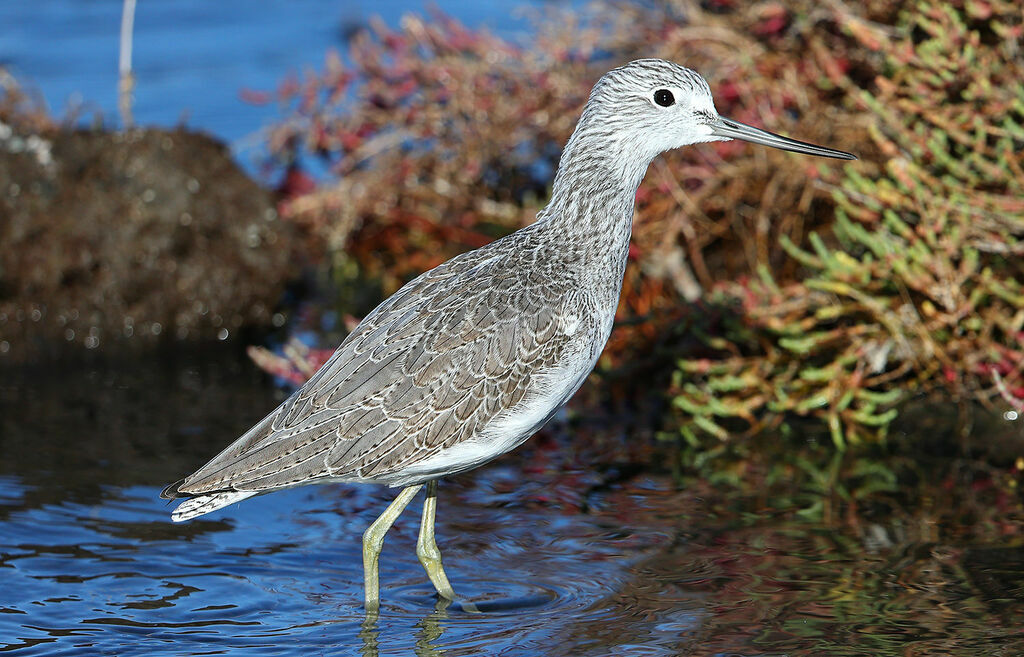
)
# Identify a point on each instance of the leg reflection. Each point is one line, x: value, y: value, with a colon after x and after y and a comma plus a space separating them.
x: 369, y: 633
x: 430, y: 629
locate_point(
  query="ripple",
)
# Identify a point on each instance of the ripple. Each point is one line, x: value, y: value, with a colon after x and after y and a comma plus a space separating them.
x: 124, y: 576
x: 282, y: 574
x: 92, y: 565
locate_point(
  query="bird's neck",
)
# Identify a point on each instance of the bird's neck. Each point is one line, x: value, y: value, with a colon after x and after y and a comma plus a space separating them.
x: 594, y: 192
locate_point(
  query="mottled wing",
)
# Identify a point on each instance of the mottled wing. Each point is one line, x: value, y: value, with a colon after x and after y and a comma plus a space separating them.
x: 428, y: 369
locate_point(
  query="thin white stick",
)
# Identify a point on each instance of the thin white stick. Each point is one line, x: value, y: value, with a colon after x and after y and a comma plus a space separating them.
x: 126, y: 79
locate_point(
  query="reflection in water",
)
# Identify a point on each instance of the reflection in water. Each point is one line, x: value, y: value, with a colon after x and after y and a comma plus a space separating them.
x: 428, y: 631
x: 90, y: 563
x: 369, y: 633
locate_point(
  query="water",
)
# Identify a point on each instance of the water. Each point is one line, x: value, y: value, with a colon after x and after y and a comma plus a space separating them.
x: 285, y: 571
x: 559, y: 558
x: 192, y: 58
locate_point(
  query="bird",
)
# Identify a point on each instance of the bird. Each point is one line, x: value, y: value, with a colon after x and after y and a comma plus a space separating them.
x: 468, y: 360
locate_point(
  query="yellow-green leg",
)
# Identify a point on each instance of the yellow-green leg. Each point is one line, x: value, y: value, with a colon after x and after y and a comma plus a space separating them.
x: 426, y: 546
x: 373, y: 542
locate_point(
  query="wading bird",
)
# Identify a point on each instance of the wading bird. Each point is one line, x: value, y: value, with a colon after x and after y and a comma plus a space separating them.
x: 467, y: 361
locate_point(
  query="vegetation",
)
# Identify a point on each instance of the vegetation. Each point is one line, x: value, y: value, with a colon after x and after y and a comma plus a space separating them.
x: 919, y: 285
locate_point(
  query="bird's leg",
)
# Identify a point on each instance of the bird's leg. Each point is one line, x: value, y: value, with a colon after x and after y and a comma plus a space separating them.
x: 373, y: 542
x: 426, y: 546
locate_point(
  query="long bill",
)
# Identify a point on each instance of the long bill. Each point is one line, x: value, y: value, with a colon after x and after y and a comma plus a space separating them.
x: 723, y: 127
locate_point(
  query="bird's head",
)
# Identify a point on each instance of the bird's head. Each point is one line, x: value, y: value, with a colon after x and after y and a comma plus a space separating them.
x: 651, y: 105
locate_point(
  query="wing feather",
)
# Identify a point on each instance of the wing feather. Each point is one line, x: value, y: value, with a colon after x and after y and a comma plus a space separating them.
x: 428, y: 368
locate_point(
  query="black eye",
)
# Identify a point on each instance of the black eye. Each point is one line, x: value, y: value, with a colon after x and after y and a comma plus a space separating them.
x: 664, y: 97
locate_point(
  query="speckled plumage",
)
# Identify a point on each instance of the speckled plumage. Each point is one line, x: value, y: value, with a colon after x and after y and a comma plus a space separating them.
x: 468, y: 360
x: 431, y: 367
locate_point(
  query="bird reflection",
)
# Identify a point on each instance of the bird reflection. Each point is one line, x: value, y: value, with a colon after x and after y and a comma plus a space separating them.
x: 428, y: 630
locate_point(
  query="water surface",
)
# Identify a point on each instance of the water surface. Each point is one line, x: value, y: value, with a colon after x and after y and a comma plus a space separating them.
x: 558, y: 558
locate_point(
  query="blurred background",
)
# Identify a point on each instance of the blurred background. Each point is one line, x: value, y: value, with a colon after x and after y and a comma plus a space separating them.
x: 205, y: 54
x: 804, y: 436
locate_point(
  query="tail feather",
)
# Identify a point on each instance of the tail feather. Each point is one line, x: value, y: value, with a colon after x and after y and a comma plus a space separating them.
x: 202, y: 504
x: 171, y: 492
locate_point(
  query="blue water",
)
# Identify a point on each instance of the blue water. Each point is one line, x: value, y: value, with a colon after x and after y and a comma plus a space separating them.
x: 285, y: 570
x: 561, y: 551
x: 91, y: 564
x: 193, y: 57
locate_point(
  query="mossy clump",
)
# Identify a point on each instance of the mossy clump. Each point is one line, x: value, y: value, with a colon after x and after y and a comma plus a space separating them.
x: 918, y: 285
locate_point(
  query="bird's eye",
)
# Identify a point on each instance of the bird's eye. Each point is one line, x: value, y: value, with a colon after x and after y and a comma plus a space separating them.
x: 664, y: 97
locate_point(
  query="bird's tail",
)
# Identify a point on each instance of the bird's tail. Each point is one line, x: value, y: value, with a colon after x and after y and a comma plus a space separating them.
x: 200, y: 504
x: 197, y: 505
